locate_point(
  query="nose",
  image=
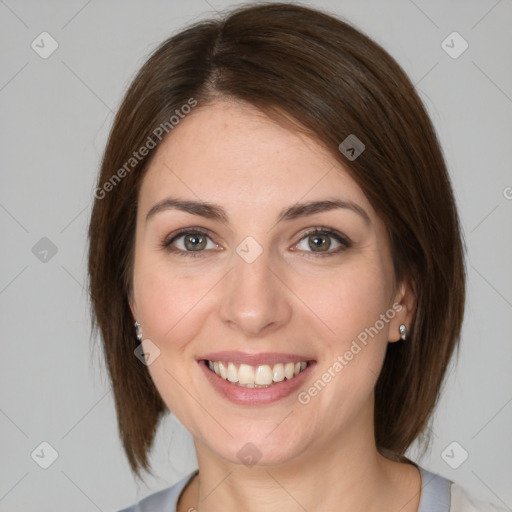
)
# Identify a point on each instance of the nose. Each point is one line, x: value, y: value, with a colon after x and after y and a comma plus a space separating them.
x: 255, y: 300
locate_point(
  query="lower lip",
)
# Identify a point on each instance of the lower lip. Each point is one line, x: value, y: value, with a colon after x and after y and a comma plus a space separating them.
x: 255, y: 396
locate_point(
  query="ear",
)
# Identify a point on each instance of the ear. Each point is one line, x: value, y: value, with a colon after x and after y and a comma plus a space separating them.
x: 133, y: 305
x: 404, y: 303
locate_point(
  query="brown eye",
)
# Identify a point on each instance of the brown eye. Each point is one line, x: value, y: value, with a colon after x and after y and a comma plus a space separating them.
x: 319, y: 242
x: 187, y: 242
x: 194, y: 242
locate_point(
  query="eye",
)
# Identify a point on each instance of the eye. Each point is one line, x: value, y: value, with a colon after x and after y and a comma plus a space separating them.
x: 193, y: 242
x: 188, y: 242
x: 319, y: 241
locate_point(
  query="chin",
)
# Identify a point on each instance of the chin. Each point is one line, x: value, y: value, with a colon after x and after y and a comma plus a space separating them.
x: 261, y: 450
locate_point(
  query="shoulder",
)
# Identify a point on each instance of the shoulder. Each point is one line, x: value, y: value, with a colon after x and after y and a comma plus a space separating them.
x: 161, y: 501
x: 463, y: 501
x: 438, y: 494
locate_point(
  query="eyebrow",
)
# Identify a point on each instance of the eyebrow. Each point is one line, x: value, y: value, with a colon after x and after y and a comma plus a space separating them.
x: 215, y: 212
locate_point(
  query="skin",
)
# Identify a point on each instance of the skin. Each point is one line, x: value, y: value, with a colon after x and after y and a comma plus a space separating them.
x: 290, y: 299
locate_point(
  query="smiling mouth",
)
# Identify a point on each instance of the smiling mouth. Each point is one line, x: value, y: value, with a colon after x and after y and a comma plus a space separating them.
x: 261, y: 376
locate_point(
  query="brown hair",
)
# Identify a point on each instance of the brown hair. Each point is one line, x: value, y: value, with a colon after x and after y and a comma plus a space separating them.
x: 309, y: 67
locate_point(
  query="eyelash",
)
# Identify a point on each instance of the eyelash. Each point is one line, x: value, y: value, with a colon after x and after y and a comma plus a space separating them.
x: 343, y: 240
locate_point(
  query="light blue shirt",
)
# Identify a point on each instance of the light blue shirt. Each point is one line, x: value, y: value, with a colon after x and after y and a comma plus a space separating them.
x: 435, y: 495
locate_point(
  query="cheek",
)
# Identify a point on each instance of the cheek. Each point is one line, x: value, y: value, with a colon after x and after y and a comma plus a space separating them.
x: 349, y: 299
x: 353, y: 301
x: 170, y: 304
x: 171, y: 307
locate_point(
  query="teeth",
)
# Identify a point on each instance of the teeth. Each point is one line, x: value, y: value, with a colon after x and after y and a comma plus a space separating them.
x: 261, y: 376
x: 278, y: 372
x: 223, y: 371
x: 289, y: 370
x: 232, y: 375
x: 245, y: 374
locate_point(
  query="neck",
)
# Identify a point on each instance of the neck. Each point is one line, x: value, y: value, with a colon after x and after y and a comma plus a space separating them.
x: 347, y: 474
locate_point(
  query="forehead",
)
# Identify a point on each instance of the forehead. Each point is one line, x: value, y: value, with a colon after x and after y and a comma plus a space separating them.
x: 232, y: 153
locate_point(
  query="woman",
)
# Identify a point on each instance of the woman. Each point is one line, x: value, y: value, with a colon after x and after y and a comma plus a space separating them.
x: 275, y: 257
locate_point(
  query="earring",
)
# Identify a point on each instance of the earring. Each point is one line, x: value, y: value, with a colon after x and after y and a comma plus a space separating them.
x: 403, y: 332
x: 138, y: 331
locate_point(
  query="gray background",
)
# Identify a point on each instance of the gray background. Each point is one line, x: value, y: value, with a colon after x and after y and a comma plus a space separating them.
x: 55, y: 117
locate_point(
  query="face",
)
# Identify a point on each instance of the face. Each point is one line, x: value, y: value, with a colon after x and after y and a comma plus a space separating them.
x: 264, y: 278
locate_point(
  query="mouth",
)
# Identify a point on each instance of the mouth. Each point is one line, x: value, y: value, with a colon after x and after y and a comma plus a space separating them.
x: 255, y: 378
x: 261, y: 376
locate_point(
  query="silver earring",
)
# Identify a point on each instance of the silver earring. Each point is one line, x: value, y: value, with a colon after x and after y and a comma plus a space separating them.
x: 138, y: 331
x: 403, y: 332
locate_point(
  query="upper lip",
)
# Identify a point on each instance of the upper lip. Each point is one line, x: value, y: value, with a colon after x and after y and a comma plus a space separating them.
x: 254, y: 359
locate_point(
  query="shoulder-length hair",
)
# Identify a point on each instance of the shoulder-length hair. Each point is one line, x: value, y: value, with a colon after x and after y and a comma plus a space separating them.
x: 299, y: 64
